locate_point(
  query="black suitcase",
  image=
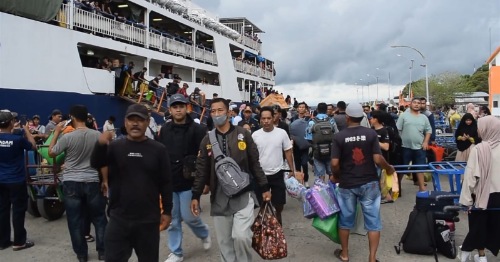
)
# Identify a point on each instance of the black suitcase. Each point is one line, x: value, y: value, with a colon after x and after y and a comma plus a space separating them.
x: 435, y: 201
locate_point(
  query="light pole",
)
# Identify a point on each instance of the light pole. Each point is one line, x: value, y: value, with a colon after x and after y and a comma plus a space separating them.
x: 376, y: 78
x: 426, y: 65
x: 388, y: 84
x: 362, y: 94
x: 410, y: 96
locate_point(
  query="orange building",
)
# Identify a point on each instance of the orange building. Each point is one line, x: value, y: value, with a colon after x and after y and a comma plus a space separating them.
x: 494, y: 82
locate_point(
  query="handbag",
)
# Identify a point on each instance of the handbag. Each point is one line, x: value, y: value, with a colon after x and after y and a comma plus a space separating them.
x: 328, y: 227
x: 268, y: 239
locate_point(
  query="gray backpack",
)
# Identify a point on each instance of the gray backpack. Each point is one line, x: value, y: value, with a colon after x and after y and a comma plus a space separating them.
x: 231, y: 179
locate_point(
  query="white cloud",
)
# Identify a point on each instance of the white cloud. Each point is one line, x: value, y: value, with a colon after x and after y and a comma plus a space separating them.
x: 321, y: 48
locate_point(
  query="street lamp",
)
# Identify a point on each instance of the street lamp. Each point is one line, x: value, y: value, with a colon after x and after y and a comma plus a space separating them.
x: 362, y: 94
x: 376, y: 78
x: 388, y: 83
x: 426, y: 65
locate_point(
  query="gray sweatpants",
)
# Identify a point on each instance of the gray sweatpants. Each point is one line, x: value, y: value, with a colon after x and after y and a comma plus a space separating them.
x: 234, y: 235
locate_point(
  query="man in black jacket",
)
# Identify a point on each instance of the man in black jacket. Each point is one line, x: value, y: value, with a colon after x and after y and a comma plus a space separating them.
x: 139, y: 173
x: 233, y: 216
x: 182, y: 138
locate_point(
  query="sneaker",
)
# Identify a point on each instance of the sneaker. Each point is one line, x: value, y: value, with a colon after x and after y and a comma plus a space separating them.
x: 174, y: 258
x: 207, y: 243
x: 306, y: 184
x: 477, y: 258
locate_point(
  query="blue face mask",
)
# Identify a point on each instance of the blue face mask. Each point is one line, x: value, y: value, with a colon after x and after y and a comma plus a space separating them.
x: 219, y: 120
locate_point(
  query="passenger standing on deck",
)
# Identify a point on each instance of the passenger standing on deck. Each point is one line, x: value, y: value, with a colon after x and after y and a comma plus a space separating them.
x: 481, y: 190
x: 13, y: 192
x: 233, y: 216
x: 182, y: 138
x: 81, y: 188
x: 415, y: 131
x: 139, y: 172
x: 271, y: 143
x: 355, y: 152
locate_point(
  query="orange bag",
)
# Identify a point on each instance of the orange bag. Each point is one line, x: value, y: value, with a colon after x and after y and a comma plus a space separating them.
x: 438, y: 152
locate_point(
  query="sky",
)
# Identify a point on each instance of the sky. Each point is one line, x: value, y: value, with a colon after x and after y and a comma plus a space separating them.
x: 329, y: 50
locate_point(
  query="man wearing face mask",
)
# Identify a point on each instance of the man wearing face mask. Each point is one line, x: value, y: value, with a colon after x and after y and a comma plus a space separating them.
x: 233, y: 216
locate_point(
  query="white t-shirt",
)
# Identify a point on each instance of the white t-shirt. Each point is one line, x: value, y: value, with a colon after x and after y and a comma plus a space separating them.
x: 108, y: 126
x: 271, y: 146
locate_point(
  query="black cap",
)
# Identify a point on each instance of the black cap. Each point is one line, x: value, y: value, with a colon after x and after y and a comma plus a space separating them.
x: 178, y: 98
x: 137, y: 110
x: 6, y: 116
x: 35, y: 116
x: 56, y: 112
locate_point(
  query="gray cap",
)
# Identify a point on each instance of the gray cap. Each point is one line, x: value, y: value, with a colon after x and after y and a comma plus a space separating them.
x: 6, y: 116
x: 178, y: 98
x: 354, y: 110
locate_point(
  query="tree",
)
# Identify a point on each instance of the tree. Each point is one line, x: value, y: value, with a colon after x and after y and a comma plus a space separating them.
x: 442, y: 88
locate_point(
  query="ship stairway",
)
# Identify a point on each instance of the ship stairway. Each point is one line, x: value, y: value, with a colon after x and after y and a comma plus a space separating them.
x: 157, y: 105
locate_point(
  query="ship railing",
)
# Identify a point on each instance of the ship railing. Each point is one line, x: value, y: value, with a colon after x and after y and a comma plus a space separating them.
x: 176, y: 47
x: 248, y: 41
x: 63, y: 16
x: 96, y: 23
x: 205, y: 56
x: 155, y: 41
x: 238, y: 65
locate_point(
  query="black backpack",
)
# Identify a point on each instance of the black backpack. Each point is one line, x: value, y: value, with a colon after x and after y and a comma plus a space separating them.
x: 419, y: 235
x: 322, y: 138
x: 172, y: 88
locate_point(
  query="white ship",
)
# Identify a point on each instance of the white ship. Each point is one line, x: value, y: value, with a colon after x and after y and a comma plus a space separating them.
x: 50, y: 52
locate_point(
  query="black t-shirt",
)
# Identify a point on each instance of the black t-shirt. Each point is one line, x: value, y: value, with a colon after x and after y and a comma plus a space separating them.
x: 355, y: 147
x: 138, y: 173
x: 383, y: 137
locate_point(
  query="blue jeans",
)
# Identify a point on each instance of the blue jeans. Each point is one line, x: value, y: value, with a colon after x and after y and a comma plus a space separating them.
x: 77, y: 197
x: 369, y: 198
x: 182, y: 212
x: 13, y: 195
x: 321, y: 167
x: 415, y: 156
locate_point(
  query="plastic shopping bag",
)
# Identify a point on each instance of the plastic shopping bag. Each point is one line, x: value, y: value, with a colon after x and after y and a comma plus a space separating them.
x: 328, y: 227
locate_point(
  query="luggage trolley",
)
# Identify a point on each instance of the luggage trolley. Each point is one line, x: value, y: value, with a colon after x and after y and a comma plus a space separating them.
x: 44, y: 185
x: 453, y: 169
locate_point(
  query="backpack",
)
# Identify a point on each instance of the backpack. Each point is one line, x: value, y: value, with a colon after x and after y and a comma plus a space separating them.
x: 395, y: 144
x: 445, y: 239
x: 419, y: 235
x: 172, y: 88
x: 231, y: 179
x: 322, y: 138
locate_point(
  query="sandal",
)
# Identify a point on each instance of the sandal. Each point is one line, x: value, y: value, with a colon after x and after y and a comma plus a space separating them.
x: 26, y: 245
x: 338, y: 254
x: 89, y: 238
x: 385, y: 201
